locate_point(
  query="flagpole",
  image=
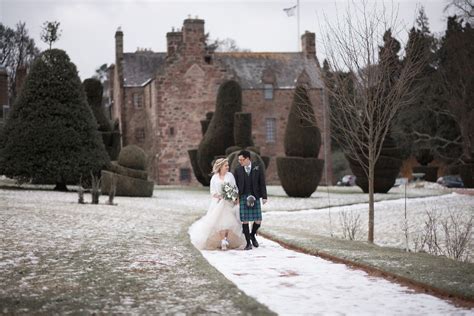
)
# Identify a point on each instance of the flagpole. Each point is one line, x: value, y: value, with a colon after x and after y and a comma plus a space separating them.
x: 298, y: 47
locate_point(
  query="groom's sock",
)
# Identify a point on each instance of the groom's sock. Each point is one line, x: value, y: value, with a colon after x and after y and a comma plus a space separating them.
x: 255, y: 227
x: 246, y: 231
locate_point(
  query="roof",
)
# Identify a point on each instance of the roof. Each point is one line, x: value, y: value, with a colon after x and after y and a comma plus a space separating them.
x: 140, y: 67
x: 249, y: 68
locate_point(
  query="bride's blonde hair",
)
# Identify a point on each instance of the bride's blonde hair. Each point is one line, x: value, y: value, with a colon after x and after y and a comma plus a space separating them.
x: 218, y: 164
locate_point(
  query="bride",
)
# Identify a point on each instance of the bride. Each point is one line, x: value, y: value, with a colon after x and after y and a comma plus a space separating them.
x: 220, y: 228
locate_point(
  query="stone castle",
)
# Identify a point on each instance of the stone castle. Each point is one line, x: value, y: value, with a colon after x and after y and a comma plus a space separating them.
x: 159, y: 99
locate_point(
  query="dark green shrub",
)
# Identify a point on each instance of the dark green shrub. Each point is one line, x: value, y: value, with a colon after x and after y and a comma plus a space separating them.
x: 94, y: 90
x: 51, y: 133
x: 301, y: 171
x: 299, y: 176
x: 126, y: 186
x: 197, y: 171
x: 133, y: 157
x: 205, y: 123
x: 243, y: 129
x: 134, y: 173
x: 254, y: 157
x: 302, y: 136
x: 220, y: 133
x: 254, y: 149
x: 231, y: 149
x: 266, y: 161
x: 386, y: 169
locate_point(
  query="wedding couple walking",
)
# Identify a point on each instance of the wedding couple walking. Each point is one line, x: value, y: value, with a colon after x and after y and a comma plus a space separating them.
x: 225, y: 225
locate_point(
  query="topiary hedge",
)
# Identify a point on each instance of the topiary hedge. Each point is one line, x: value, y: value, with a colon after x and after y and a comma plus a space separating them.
x: 243, y: 129
x: 302, y: 136
x: 94, y: 91
x: 300, y: 172
x: 220, y: 133
x: 197, y: 171
x: 126, y: 186
x: 133, y: 157
x: 51, y: 133
x: 299, y: 176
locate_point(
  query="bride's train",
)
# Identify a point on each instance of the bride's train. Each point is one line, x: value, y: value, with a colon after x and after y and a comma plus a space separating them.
x: 222, y: 215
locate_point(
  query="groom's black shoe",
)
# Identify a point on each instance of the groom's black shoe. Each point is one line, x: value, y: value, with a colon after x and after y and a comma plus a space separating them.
x: 246, y: 231
x: 255, y: 227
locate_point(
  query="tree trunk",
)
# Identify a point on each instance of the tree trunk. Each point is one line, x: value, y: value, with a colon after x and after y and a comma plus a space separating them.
x: 371, y: 201
x: 61, y: 186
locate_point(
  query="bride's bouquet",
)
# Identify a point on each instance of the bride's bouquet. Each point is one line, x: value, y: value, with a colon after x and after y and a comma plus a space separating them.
x: 229, y: 192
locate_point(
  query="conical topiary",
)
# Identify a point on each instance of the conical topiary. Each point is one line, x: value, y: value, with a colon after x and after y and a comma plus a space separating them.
x: 302, y: 136
x: 300, y: 172
x: 51, y: 133
x: 220, y: 133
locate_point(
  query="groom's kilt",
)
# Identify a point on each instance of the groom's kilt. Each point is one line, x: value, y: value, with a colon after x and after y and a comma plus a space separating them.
x: 250, y: 214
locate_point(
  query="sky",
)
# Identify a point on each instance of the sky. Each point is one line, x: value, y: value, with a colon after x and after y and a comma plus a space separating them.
x: 88, y: 26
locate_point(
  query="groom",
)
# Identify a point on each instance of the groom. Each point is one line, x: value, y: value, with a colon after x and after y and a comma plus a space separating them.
x: 250, y: 181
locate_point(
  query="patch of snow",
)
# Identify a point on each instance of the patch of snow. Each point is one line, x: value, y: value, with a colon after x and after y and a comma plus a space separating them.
x: 291, y: 283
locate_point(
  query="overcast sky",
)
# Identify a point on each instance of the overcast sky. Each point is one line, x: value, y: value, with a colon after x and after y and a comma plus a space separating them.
x: 88, y: 26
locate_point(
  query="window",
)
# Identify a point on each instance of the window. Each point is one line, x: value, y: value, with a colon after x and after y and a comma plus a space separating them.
x: 185, y: 174
x: 268, y: 91
x: 171, y: 131
x: 270, y: 127
x: 137, y: 100
x: 140, y: 135
x: 6, y: 109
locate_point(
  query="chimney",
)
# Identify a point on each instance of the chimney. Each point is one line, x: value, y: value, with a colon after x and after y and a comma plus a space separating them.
x: 308, y: 43
x: 173, y: 40
x: 193, y: 36
x: 119, y: 54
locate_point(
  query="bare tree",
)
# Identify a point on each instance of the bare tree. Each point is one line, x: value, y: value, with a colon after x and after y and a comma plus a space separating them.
x: 365, y: 88
x: 17, y: 51
x: 50, y: 32
x: 464, y: 8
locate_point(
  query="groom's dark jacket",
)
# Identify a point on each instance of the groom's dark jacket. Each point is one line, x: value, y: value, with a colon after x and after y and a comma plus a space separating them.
x: 253, y: 183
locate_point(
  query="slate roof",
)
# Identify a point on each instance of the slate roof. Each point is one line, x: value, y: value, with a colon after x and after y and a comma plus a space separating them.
x: 140, y: 67
x: 248, y: 67
x: 287, y: 67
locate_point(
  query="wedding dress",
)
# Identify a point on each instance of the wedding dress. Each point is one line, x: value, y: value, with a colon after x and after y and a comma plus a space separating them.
x: 221, y: 215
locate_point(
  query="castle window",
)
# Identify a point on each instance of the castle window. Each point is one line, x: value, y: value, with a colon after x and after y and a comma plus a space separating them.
x: 6, y: 110
x: 171, y: 131
x: 140, y: 135
x: 185, y: 174
x: 208, y: 59
x: 270, y: 127
x: 137, y: 100
x: 268, y: 91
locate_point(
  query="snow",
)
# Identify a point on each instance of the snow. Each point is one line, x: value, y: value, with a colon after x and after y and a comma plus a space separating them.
x: 292, y: 283
x: 135, y: 257
x: 389, y: 218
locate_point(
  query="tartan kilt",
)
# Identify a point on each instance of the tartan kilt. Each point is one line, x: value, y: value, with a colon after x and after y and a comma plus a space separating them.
x: 249, y: 214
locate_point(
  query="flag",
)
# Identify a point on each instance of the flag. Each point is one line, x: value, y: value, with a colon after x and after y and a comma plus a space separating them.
x: 290, y: 11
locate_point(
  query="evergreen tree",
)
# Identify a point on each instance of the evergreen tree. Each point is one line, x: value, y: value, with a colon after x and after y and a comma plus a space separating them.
x: 94, y: 90
x: 51, y: 133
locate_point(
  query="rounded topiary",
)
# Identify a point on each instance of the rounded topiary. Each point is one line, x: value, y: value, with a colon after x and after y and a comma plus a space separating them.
x: 51, y: 133
x: 220, y: 133
x: 299, y: 176
x: 254, y: 157
x: 243, y: 129
x: 231, y: 149
x: 302, y: 137
x: 386, y: 168
x: 94, y: 90
x: 133, y: 157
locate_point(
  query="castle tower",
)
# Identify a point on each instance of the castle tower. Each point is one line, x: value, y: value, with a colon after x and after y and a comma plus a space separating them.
x: 194, y: 37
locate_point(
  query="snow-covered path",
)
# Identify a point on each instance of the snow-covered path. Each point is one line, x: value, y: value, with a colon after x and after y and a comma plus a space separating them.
x: 291, y: 283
